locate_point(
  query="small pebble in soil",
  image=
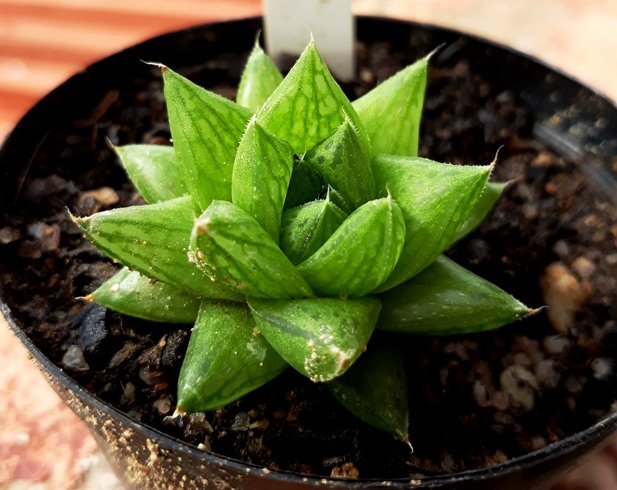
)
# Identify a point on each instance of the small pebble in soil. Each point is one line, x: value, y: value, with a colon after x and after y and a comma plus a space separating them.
x: 163, y: 405
x: 556, y: 344
x: 346, y: 470
x: 106, y: 196
x: 563, y: 294
x: 602, y: 368
x: 74, y: 360
x: 128, y: 394
x: 521, y: 385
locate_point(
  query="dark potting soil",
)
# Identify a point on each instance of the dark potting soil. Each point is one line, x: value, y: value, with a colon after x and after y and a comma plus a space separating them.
x: 475, y: 400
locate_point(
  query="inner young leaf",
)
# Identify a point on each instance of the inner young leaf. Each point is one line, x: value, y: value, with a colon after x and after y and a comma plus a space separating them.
x: 345, y: 164
x: 360, y: 254
x: 262, y: 170
x: 306, y: 228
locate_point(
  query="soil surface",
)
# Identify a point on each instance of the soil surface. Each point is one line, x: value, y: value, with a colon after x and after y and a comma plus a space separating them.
x: 475, y: 400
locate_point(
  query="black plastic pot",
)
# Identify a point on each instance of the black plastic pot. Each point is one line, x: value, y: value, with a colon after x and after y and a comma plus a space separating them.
x: 576, y: 121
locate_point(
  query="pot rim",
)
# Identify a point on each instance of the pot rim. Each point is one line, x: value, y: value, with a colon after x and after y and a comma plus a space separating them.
x: 597, y: 431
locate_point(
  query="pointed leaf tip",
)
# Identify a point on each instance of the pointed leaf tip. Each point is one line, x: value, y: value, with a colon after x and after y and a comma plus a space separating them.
x: 259, y: 79
x: 319, y: 337
x: 311, y: 94
x: 375, y: 389
x: 447, y: 299
x: 435, y: 198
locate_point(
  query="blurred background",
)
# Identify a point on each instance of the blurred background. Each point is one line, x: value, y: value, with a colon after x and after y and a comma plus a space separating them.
x: 42, y: 42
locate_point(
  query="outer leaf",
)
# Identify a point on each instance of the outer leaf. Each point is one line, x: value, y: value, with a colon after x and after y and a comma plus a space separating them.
x: 308, y: 105
x: 154, y: 171
x: 206, y: 129
x: 306, y: 228
x: 447, y: 299
x: 489, y: 197
x: 360, y: 254
x: 345, y: 164
x: 132, y: 294
x: 262, y: 170
x: 436, y: 199
x: 226, y: 358
x: 231, y: 247
x: 259, y: 79
x: 305, y: 185
x: 153, y: 240
x: 320, y: 337
x: 391, y: 112
x: 375, y: 389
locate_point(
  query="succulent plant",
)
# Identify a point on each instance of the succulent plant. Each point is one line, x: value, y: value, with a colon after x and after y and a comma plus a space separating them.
x: 291, y: 227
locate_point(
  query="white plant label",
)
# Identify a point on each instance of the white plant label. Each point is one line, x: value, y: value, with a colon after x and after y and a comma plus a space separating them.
x: 289, y: 24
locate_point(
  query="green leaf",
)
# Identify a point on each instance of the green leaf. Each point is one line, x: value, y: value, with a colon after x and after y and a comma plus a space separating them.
x: 262, y: 170
x: 154, y: 171
x: 320, y: 337
x: 360, y: 254
x: 305, y: 185
x: 259, y: 79
x: 391, y: 112
x: 436, y: 199
x: 489, y: 197
x: 308, y: 105
x: 447, y: 299
x: 345, y: 164
x: 133, y: 294
x: 206, y: 129
x: 306, y: 228
x: 153, y: 240
x: 226, y: 358
x: 232, y: 249
x: 342, y: 203
x: 375, y: 389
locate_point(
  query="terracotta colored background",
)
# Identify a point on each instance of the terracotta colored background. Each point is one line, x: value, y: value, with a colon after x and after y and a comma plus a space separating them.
x: 42, y: 42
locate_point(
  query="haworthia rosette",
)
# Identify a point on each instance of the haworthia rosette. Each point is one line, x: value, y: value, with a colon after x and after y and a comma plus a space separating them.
x: 320, y: 337
x: 259, y: 79
x: 233, y: 249
x: 225, y: 359
x: 153, y: 240
x: 134, y: 294
x: 360, y: 254
x: 435, y: 198
x: 262, y: 170
x: 206, y: 129
x: 154, y: 171
x: 447, y: 299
